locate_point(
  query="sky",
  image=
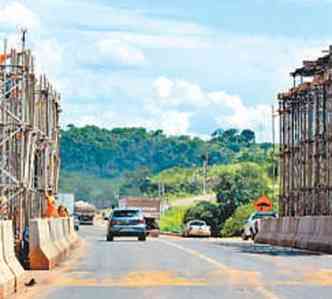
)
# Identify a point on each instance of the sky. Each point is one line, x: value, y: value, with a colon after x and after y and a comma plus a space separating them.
x: 183, y: 66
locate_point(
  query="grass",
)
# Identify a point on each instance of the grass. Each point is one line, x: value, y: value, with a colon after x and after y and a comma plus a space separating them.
x: 172, y: 220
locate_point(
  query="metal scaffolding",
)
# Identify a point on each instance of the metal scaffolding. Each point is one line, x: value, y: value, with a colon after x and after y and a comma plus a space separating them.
x: 306, y: 141
x: 29, y: 138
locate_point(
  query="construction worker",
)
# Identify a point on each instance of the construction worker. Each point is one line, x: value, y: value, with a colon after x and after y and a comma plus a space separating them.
x: 62, y: 211
x: 51, y: 206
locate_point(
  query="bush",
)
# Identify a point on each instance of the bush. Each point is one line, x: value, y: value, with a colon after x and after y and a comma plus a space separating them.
x: 242, y: 183
x: 211, y: 213
x: 234, y: 225
x: 172, y: 220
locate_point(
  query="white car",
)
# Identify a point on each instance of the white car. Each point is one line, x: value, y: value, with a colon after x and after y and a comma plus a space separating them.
x: 197, y: 228
x: 251, y: 226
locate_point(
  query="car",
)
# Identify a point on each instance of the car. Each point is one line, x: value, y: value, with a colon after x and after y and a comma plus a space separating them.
x: 126, y: 222
x: 197, y: 228
x: 251, y: 226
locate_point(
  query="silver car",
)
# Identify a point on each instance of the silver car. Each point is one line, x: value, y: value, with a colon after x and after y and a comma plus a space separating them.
x: 251, y: 226
x: 197, y: 228
x: 127, y: 222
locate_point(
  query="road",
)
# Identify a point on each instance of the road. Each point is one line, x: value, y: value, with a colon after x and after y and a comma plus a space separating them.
x: 190, y: 268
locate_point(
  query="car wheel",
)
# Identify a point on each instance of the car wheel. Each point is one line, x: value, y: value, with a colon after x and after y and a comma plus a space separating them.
x: 244, y: 237
x: 109, y: 238
x: 142, y: 238
x: 252, y: 234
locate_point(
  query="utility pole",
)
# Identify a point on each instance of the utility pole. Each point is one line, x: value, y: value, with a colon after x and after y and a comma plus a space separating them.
x: 205, y: 170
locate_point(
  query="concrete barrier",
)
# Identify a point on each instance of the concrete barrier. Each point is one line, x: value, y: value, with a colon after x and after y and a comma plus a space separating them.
x: 275, y: 232
x: 311, y: 233
x: 322, y: 236
x: 305, y: 232
x: 66, y: 233
x: 7, y: 277
x: 265, y: 232
x: 10, y: 256
x: 55, y: 240
x: 287, y: 236
x: 43, y: 254
x: 74, y: 240
x: 60, y: 237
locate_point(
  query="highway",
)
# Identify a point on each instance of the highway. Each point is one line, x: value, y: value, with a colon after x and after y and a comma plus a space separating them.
x: 170, y: 267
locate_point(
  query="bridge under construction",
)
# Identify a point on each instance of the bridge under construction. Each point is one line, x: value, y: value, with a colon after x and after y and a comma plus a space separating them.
x: 305, y: 161
x: 306, y: 141
x: 29, y: 137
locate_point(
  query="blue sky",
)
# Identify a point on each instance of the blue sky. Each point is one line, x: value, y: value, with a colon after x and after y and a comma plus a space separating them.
x: 187, y: 67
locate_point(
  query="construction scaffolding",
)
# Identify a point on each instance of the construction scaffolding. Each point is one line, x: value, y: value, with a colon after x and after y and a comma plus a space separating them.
x: 29, y: 138
x: 306, y: 141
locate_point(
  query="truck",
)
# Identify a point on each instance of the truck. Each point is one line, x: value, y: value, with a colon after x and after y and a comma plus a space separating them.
x: 151, y: 208
x: 85, y: 212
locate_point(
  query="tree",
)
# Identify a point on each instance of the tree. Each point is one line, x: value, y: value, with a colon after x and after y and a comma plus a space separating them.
x: 230, y: 136
x: 248, y: 136
x: 207, y: 211
x: 242, y: 184
x: 218, y: 133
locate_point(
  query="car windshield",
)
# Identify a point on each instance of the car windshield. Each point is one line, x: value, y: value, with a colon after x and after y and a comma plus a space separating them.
x: 126, y: 213
x: 263, y: 215
x: 197, y: 223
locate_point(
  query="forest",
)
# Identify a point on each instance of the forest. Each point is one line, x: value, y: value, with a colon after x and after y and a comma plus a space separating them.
x: 99, y: 165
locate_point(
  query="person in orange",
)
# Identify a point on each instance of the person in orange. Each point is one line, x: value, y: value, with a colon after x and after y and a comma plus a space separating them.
x: 51, y: 207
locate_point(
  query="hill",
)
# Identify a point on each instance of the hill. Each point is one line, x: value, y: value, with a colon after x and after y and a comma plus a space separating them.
x: 100, y: 164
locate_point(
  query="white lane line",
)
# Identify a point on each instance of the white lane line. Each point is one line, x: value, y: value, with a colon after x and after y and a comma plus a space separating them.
x: 261, y: 289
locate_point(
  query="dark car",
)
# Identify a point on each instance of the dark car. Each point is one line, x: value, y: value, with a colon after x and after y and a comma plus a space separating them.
x: 127, y: 222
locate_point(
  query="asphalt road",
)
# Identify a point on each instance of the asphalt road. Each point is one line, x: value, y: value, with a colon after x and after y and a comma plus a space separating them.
x: 191, y: 268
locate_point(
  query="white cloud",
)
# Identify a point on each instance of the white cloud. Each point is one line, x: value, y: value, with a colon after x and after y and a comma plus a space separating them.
x: 163, y: 87
x: 49, y: 58
x: 15, y: 14
x: 119, y: 52
x: 165, y: 40
x: 177, y: 93
x: 227, y: 110
x: 174, y: 122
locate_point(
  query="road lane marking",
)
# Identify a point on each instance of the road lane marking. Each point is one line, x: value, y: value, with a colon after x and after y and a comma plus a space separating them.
x: 135, y: 280
x: 232, y: 273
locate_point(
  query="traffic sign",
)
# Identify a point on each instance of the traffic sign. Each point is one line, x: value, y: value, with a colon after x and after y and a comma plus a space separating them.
x: 263, y: 204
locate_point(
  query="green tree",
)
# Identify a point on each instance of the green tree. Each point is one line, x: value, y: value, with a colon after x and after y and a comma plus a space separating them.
x: 248, y: 136
x: 207, y: 211
x: 241, y: 184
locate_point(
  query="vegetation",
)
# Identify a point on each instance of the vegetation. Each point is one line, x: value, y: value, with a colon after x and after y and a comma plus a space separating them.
x: 172, y: 220
x: 101, y: 165
x: 237, y: 187
x: 234, y: 224
x: 89, y: 188
x: 211, y: 213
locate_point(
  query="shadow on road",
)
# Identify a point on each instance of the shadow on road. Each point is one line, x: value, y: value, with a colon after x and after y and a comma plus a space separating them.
x: 120, y: 241
x: 251, y: 248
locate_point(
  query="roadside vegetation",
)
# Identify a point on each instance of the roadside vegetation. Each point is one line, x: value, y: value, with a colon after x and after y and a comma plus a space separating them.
x: 101, y: 165
x: 173, y: 219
